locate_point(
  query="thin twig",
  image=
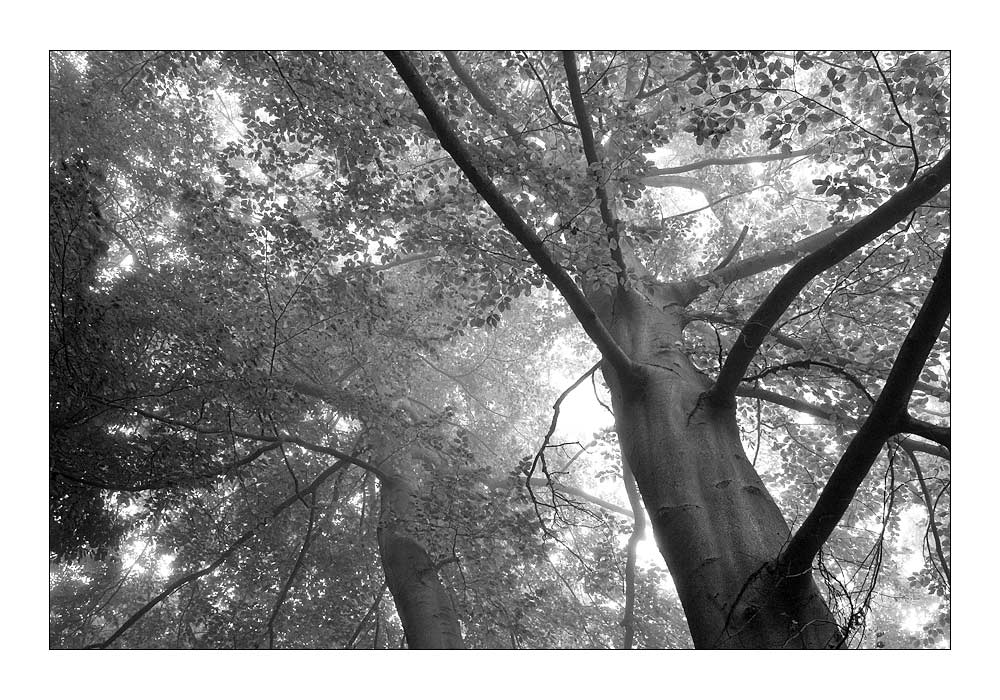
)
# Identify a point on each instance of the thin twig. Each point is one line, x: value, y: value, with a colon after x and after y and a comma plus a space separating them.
x: 181, y: 581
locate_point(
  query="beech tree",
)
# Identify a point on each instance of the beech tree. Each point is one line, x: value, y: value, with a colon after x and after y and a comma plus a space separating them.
x: 305, y: 309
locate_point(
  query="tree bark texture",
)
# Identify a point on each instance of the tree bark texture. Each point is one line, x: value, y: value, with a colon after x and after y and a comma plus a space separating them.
x: 715, y: 523
x: 423, y: 602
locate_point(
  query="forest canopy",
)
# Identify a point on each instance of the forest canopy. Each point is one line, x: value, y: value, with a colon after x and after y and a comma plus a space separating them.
x: 499, y: 349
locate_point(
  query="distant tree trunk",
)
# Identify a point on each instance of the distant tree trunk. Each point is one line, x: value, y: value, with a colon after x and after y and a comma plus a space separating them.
x: 424, y: 604
x: 715, y: 523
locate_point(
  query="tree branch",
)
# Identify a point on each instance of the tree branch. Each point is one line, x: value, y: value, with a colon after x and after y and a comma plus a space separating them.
x: 481, y: 97
x: 734, y: 250
x: 306, y: 539
x: 683, y: 181
x: 584, y: 312
x: 829, y: 414
x: 909, y: 127
x: 181, y: 581
x: 364, y: 620
x: 936, y: 433
x: 886, y: 419
x: 806, y: 364
x: 897, y: 208
x: 540, y: 455
x: 275, y: 439
x: 580, y: 493
x: 168, y: 481
x: 287, y: 84
x: 843, y: 362
x: 931, y: 520
x: 740, y: 160
x: 594, y: 161
x: 756, y: 264
x: 552, y: 108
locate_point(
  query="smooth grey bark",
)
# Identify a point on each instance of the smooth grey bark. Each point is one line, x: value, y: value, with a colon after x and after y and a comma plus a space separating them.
x: 424, y: 604
x: 715, y: 523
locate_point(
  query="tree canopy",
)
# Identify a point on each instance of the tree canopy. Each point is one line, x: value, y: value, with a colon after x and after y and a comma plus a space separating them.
x: 364, y: 350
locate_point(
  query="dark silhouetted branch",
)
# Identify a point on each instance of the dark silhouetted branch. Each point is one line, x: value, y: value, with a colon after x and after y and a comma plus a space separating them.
x: 594, y: 162
x: 937, y: 433
x: 306, y: 539
x: 181, y: 581
x: 548, y: 98
x: 540, y: 455
x: 584, y: 312
x: 829, y: 413
x: 581, y: 494
x: 276, y: 440
x: 886, y: 419
x: 168, y: 481
x: 897, y: 208
x: 840, y: 361
x: 929, y: 503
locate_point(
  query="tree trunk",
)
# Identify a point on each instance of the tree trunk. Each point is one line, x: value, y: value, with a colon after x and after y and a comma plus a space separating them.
x: 424, y: 604
x: 716, y: 525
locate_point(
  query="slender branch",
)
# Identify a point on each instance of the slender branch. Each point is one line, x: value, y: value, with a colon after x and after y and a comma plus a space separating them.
x: 712, y: 204
x: 450, y: 141
x: 407, y: 259
x: 931, y: 520
x: 604, y: 72
x: 806, y: 364
x: 739, y: 160
x: 540, y: 455
x: 843, y: 362
x: 756, y: 264
x: 909, y: 127
x: 364, y: 620
x: 287, y: 84
x: 481, y: 97
x: 640, y: 95
x: 552, y: 108
x: 684, y: 181
x: 897, y: 208
x: 181, y: 581
x: 274, y: 439
x: 712, y: 200
x: 164, y: 482
x: 580, y: 493
x: 886, y: 419
x: 594, y: 161
x: 306, y: 539
x: 828, y: 413
x: 734, y: 250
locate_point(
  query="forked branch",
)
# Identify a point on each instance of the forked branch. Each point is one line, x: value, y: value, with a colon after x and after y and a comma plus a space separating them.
x: 897, y: 208
x: 887, y: 418
x: 524, y: 234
